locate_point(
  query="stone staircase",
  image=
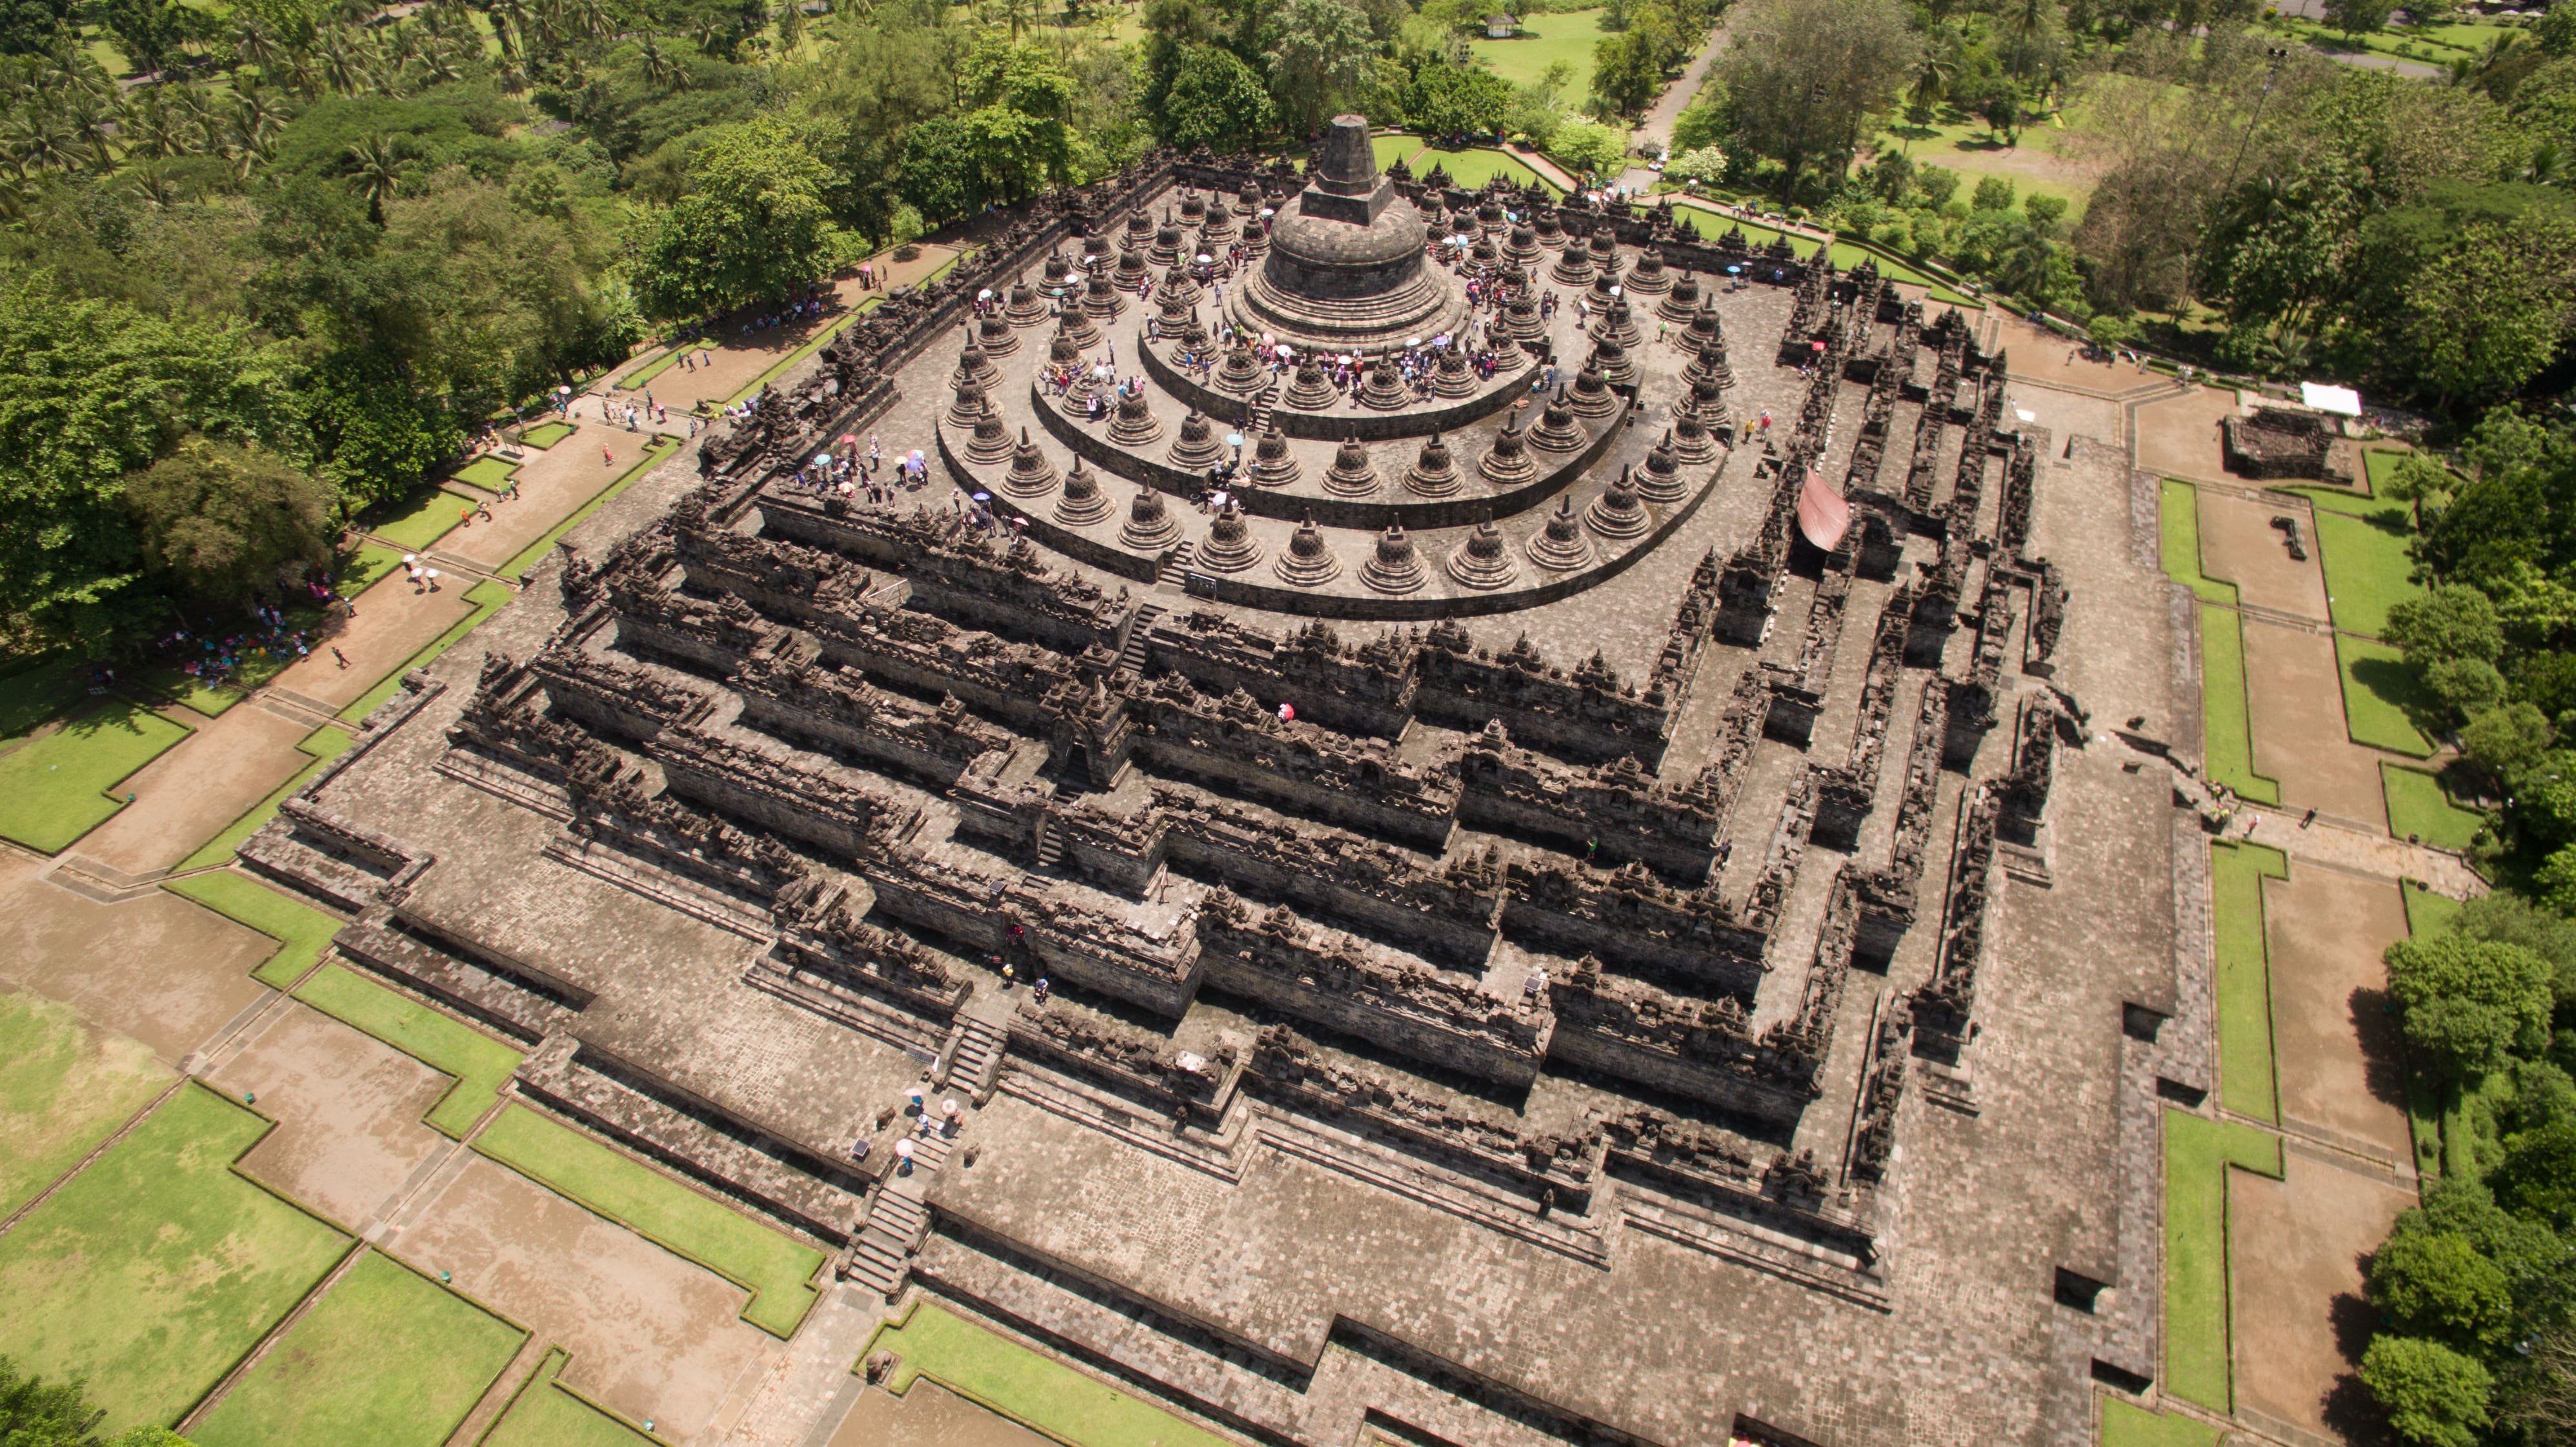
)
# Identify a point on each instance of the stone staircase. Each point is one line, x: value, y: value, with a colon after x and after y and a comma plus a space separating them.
x: 880, y: 1255
x: 1175, y: 563
x: 1131, y: 659
x: 977, y: 1065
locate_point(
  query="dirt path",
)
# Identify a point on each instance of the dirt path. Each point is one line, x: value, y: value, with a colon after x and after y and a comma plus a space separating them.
x: 2295, y: 1248
x: 189, y: 794
x: 2333, y: 1039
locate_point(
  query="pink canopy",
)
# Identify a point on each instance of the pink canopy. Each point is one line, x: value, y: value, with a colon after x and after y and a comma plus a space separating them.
x: 1823, y: 515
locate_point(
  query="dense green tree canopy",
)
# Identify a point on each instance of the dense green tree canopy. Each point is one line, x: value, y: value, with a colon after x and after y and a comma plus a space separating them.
x: 752, y: 227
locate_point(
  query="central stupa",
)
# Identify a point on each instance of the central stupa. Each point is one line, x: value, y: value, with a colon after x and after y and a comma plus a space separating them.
x: 1346, y: 270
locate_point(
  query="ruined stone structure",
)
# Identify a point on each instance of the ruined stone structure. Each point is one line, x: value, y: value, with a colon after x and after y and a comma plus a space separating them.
x: 1442, y: 849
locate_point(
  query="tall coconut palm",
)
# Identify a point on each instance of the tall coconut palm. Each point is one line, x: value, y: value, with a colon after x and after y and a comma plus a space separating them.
x: 259, y: 112
x: 342, y: 63
x: 376, y: 164
x: 37, y: 140
x: 658, y: 65
x: 94, y: 126
x: 254, y: 46
x: 204, y: 127
x: 1933, y: 75
x: 509, y: 21
x: 151, y: 127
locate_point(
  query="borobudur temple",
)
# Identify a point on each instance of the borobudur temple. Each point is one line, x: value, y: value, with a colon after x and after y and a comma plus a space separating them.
x: 1548, y: 764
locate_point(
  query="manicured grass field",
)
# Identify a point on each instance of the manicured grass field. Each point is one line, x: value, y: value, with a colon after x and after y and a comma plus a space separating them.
x: 53, y: 788
x: 477, y: 1061
x: 535, y: 552
x: 193, y: 694
x: 546, y: 434
x: 2427, y: 913
x: 2366, y: 567
x: 776, y: 1269
x: 2126, y: 1426
x: 1019, y: 1383
x: 2198, y: 1152
x: 2245, y: 1071
x: 64, y: 1087
x: 324, y: 744
x: 547, y: 1414
x: 2418, y: 805
x: 155, y: 1269
x: 649, y: 370
x: 35, y: 694
x: 417, y: 522
x: 1391, y: 149
x: 1472, y: 169
x: 387, y: 1357
x: 486, y: 472
x: 1545, y: 40
x: 485, y: 597
x: 2178, y: 509
x: 2382, y: 695
x: 301, y: 931
x: 2227, y: 731
x: 1964, y: 145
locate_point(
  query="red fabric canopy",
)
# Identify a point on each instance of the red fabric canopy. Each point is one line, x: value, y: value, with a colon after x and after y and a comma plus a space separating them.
x: 1823, y: 515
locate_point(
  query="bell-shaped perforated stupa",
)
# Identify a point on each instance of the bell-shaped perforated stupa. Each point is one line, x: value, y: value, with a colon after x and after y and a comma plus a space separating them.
x: 1150, y: 526
x: 1684, y: 299
x: 1083, y: 503
x: 1616, y: 514
x: 1198, y: 446
x: 1229, y: 546
x: 1273, y: 465
x: 1482, y: 561
x: 1435, y: 472
x: 1561, y: 547
x: 1352, y: 474
x: 1344, y: 269
x: 1308, y: 563
x: 1031, y: 474
x: 1395, y: 567
x: 1660, y: 480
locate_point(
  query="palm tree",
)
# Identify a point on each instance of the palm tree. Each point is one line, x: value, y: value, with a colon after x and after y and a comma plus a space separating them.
x: 509, y: 20
x: 343, y: 63
x: 151, y: 127
x: 94, y: 126
x: 252, y: 46
x: 1931, y: 84
x: 204, y: 126
x: 258, y: 114
x: 658, y: 66
x: 438, y: 64
x: 37, y: 140
x: 376, y: 169
x: 2547, y: 166
x: 154, y: 182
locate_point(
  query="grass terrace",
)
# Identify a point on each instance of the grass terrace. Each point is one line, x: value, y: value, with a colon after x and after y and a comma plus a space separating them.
x: 478, y: 1063
x: 2198, y: 1153
x: 301, y: 931
x: 776, y: 1269
x: 158, y: 1267
x: 1039, y: 1391
x: 65, y: 1086
x: 55, y: 785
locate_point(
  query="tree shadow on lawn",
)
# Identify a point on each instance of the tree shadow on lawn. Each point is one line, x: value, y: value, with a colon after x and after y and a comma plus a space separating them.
x: 2400, y: 685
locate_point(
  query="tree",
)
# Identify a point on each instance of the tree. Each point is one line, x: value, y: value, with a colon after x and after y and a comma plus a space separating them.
x: 2435, y: 1397
x: 2451, y: 622
x: 1319, y: 60
x: 29, y: 27
x: 2437, y: 1284
x: 221, y: 519
x: 33, y: 1414
x: 2557, y: 29
x: 1446, y: 99
x: 1215, y: 99
x: 151, y: 32
x: 2357, y: 18
x: 753, y: 226
x: 2506, y: 741
x: 91, y: 391
x: 1804, y: 76
x: 1588, y: 146
x: 1626, y: 73
x: 375, y: 432
x: 376, y: 167
x: 1707, y: 165
x: 2469, y: 1002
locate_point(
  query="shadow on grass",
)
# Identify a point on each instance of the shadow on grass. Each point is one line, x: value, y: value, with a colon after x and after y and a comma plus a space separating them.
x: 2400, y: 685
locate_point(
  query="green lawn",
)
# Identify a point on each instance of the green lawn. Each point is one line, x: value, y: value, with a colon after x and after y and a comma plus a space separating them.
x: 362, y: 571
x: 64, y: 1087
x: 535, y: 552
x: 35, y: 694
x: 2179, y: 511
x: 415, y: 524
x: 2245, y: 1070
x: 548, y: 1414
x: 324, y: 744
x: 447, y: 1045
x: 2428, y: 913
x: 2366, y: 567
x: 2383, y: 694
x: 53, y: 788
x: 2227, y: 732
x: 1391, y: 149
x: 387, y: 1357
x: 1964, y: 145
x: 1545, y: 40
x: 776, y: 1269
x: 153, y: 1271
x: 545, y: 435
x: 486, y: 472
x: 1019, y: 1383
x: 2419, y: 806
x: 301, y: 931
x: 2126, y: 1426
x: 649, y: 371
x: 2198, y: 1152
x: 1472, y: 169
x: 193, y: 694
x: 486, y: 597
